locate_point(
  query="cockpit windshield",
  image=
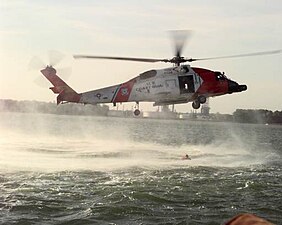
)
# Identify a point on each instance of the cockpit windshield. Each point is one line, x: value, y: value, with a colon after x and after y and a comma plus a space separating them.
x: 220, y: 76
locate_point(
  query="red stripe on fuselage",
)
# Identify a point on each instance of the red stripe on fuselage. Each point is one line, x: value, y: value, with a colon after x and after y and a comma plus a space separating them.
x: 124, y: 91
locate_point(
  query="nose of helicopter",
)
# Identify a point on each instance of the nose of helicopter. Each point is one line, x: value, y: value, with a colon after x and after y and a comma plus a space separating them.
x: 235, y: 87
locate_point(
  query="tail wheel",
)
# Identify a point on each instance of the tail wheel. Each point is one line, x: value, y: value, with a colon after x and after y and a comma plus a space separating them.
x: 196, y: 104
x: 136, y: 112
x: 202, y: 99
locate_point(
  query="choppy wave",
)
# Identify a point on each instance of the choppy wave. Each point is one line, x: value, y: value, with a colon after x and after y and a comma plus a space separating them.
x: 193, y: 195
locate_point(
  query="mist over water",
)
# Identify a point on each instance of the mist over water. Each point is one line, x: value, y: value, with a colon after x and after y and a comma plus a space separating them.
x: 51, y: 142
x: 129, y: 171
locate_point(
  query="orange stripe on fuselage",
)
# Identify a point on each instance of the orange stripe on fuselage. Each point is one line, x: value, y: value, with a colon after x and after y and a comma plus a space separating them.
x: 124, y: 91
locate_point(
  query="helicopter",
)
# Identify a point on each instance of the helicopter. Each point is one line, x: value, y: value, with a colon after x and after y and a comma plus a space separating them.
x: 174, y: 85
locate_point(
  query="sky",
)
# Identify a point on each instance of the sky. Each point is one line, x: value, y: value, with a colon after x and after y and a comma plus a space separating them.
x: 140, y: 29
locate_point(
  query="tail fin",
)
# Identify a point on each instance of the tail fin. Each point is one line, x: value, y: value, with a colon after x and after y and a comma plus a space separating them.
x: 66, y: 93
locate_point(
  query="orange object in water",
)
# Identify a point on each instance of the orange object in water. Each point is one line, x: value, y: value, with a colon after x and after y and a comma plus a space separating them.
x: 247, y: 219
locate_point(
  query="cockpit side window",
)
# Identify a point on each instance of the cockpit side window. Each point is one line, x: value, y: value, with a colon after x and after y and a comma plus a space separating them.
x: 219, y: 76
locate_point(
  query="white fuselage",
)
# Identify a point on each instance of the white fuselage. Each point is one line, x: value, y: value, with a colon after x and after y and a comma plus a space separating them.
x: 165, y: 85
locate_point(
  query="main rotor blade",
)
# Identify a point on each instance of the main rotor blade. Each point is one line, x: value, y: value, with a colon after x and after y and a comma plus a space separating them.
x: 119, y: 58
x: 180, y: 38
x: 237, y: 56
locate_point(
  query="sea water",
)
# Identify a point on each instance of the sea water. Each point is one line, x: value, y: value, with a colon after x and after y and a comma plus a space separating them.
x: 58, y: 169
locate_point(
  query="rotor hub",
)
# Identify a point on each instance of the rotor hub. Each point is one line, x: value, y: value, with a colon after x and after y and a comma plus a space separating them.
x: 177, y: 60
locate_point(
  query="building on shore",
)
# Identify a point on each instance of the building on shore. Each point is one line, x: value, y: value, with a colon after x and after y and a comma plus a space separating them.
x: 205, y: 109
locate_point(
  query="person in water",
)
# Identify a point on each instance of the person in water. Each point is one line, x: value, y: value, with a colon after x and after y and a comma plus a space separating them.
x: 186, y: 157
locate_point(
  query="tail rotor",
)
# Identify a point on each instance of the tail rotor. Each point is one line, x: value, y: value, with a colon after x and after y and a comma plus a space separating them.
x: 55, y: 58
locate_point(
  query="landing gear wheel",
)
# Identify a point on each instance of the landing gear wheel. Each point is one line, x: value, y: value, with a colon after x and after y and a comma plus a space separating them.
x: 202, y: 99
x: 196, y: 105
x: 136, y: 112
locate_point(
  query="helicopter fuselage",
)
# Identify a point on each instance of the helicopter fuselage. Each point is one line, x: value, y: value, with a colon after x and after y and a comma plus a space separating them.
x: 174, y: 85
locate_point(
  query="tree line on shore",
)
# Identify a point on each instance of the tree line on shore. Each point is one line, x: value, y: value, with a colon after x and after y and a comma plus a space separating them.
x: 261, y: 116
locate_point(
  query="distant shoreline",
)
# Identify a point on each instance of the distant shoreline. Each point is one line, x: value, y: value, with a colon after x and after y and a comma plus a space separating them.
x: 260, y: 116
x: 8, y: 105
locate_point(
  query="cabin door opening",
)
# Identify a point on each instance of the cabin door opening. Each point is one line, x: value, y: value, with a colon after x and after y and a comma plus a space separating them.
x: 186, y: 84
